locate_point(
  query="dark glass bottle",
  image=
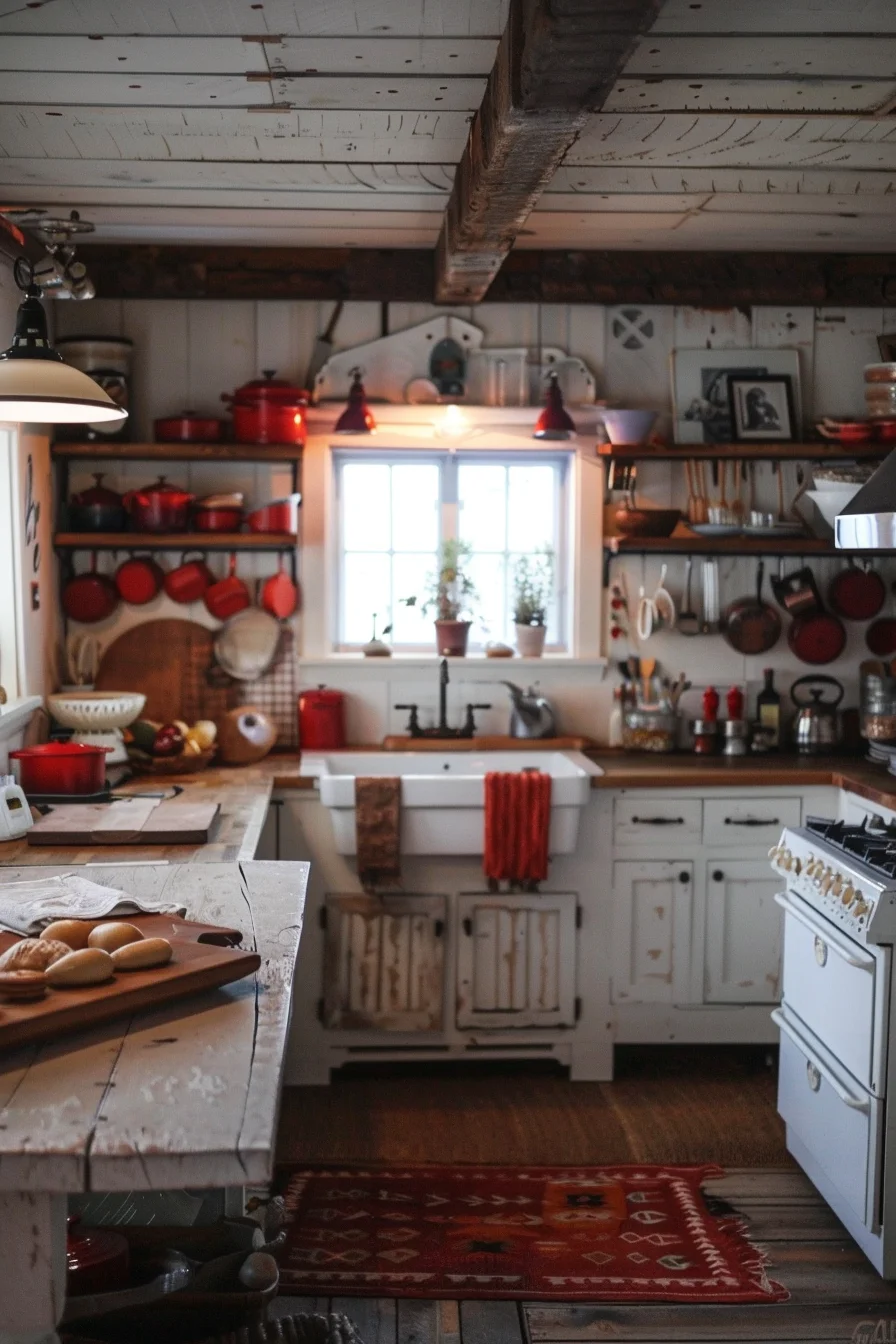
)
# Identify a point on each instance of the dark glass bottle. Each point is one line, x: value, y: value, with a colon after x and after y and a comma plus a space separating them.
x: 768, y: 709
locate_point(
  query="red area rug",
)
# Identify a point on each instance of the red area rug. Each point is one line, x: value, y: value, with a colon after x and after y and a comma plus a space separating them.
x: 591, y: 1234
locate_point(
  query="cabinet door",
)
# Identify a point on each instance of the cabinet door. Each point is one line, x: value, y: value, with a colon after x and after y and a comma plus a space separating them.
x: 651, y: 931
x: 383, y: 960
x: 742, y: 960
x: 516, y: 961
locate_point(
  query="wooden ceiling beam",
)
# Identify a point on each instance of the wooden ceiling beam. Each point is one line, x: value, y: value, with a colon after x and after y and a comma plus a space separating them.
x: 702, y: 279
x: 557, y: 61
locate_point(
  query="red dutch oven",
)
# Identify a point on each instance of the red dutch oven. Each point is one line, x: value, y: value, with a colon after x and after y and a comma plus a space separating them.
x: 159, y: 507
x: 280, y: 515
x: 190, y: 581
x: 89, y: 597
x: 61, y: 767
x: 268, y: 410
x: 188, y: 427
x: 139, y: 580
x: 219, y: 513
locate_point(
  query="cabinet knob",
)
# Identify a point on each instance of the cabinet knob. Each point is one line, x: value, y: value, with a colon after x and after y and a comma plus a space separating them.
x: 718, y: 876
x: 684, y: 877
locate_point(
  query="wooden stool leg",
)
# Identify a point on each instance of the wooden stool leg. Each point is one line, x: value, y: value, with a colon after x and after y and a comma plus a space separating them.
x: 32, y: 1267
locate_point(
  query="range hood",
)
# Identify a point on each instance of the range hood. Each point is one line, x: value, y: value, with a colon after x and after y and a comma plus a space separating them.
x: 868, y: 523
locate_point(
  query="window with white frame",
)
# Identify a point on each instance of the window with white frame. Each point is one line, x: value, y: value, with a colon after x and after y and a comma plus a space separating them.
x: 394, y: 511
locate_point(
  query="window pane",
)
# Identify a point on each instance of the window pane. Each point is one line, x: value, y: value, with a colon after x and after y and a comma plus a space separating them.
x: 415, y: 506
x: 365, y: 591
x: 531, y: 508
x: 490, y: 606
x: 365, y: 506
x: 410, y: 578
x: 481, y: 491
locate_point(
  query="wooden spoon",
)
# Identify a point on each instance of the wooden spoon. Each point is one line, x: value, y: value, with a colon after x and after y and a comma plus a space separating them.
x: 691, y: 508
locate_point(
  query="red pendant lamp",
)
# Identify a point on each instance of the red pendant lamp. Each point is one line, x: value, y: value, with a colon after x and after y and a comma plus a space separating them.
x: 356, y: 418
x: 555, y: 422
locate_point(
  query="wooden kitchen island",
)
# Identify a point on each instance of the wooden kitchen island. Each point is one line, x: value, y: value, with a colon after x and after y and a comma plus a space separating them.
x: 185, y: 1096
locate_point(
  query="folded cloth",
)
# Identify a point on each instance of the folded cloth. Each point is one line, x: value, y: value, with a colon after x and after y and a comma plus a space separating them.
x: 517, y: 826
x: 378, y: 830
x: 27, y: 907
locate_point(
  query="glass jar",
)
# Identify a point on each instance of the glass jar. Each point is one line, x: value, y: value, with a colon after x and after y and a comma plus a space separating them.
x: 647, y: 729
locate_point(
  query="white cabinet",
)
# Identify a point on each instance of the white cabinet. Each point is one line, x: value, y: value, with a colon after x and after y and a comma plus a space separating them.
x: 647, y: 821
x: 652, y: 903
x: 516, y: 958
x: 742, y: 956
x: 734, y: 822
x: 383, y: 959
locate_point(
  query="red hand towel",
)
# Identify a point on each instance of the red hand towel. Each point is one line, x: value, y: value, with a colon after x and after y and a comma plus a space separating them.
x: 517, y: 825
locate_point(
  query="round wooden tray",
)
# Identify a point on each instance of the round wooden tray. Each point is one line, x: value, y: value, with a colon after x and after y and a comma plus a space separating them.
x: 185, y: 764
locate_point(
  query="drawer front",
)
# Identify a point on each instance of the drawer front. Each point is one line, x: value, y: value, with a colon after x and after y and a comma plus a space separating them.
x: 748, y: 821
x: 642, y: 820
x: 831, y: 984
x: 833, y: 1118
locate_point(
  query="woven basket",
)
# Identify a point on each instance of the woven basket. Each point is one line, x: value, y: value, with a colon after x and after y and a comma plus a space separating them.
x: 185, y: 764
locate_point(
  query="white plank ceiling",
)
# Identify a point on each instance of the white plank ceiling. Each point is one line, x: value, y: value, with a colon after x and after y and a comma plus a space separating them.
x: 760, y: 124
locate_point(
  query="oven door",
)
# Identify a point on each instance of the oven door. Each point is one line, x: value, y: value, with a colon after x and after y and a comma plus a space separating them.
x: 836, y: 1122
x: 839, y: 988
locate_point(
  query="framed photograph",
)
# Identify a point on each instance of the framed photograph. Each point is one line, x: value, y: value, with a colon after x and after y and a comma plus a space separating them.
x: 700, y: 378
x: 886, y: 344
x: 761, y: 409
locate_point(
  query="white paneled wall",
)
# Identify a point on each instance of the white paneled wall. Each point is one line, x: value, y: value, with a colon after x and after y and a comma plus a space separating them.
x: 187, y: 353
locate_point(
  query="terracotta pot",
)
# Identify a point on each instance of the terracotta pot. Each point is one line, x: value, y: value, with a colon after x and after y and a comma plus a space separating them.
x: 530, y: 640
x: 451, y: 638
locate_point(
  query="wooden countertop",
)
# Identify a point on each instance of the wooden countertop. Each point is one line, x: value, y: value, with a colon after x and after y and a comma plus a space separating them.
x: 624, y: 770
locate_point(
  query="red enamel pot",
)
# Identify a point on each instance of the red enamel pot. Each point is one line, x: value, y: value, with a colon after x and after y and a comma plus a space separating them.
x: 61, y: 767
x: 190, y: 581
x: 857, y: 594
x: 280, y: 515
x: 268, y: 410
x: 188, y: 427
x: 229, y: 595
x: 817, y: 639
x: 89, y: 597
x: 139, y: 580
x: 159, y: 507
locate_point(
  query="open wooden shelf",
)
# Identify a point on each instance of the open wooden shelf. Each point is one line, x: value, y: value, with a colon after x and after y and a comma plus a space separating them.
x: 745, y: 545
x: 181, y: 452
x: 745, y: 452
x: 174, y: 541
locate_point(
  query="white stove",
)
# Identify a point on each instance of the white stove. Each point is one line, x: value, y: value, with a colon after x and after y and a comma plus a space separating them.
x: 837, y: 1020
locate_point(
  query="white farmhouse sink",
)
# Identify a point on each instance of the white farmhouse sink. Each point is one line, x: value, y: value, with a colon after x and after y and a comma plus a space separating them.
x: 442, y: 793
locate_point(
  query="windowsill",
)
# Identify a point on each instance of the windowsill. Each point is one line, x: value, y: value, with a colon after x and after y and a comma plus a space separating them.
x: 479, y: 660
x: 16, y: 715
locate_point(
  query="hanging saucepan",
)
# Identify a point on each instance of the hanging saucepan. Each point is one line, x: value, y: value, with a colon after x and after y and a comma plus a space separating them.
x: 881, y: 634
x: 89, y: 597
x: 279, y: 595
x: 857, y: 594
x: 817, y: 638
x: 228, y: 596
x: 190, y: 581
x: 750, y: 625
x: 139, y: 580
x: 797, y: 593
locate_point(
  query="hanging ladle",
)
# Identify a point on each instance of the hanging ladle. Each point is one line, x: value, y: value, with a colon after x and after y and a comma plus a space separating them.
x: 688, y: 622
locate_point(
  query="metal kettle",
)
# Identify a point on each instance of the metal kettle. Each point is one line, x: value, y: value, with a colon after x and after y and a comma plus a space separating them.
x: 818, y: 725
x: 532, y: 715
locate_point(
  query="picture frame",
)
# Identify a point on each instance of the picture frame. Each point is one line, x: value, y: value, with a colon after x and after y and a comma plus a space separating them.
x: 886, y: 344
x: 701, y: 405
x: 762, y: 409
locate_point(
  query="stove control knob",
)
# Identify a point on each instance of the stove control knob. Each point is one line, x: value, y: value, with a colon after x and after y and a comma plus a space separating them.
x: 774, y: 852
x: 811, y: 867
x: 786, y: 860
x: 820, y: 873
x: 828, y: 881
x: 849, y: 895
x: 837, y: 885
x: 861, y: 907
x: 797, y: 867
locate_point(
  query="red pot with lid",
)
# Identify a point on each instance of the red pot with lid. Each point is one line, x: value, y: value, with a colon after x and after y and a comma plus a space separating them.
x: 219, y: 513
x: 97, y: 509
x: 159, y: 507
x: 61, y: 767
x: 188, y: 427
x: 321, y: 720
x: 268, y: 410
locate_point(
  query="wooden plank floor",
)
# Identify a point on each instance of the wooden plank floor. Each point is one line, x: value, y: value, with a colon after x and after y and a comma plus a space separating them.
x: 834, y: 1292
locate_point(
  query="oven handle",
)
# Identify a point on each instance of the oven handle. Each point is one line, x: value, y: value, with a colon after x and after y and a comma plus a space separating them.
x: 846, y: 951
x: 856, y: 1103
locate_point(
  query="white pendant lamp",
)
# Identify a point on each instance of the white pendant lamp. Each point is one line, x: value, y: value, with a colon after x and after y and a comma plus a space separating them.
x: 35, y: 384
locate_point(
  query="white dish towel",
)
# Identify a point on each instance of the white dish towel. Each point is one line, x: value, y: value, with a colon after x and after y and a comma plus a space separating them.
x: 28, y: 907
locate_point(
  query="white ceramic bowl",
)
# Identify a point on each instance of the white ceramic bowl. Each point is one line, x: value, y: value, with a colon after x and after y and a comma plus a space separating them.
x: 96, y: 711
x: 830, y: 502
x: 628, y: 426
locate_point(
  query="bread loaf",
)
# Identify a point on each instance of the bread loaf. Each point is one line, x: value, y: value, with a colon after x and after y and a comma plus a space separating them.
x: 87, y: 966
x: 113, y: 935
x: 143, y: 955
x: 33, y: 954
x: 73, y: 932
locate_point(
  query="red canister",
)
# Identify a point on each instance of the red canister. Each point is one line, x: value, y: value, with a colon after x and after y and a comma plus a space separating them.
x: 321, y: 720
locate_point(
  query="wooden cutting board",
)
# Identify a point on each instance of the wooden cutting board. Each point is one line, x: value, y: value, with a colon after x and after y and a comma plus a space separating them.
x: 167, y: 661
x: 205, y: 957
x: 131, y: 821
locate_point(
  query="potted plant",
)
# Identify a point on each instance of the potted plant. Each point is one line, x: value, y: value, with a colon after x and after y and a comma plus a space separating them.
x: 533, y: 583
x: 451, y: 594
